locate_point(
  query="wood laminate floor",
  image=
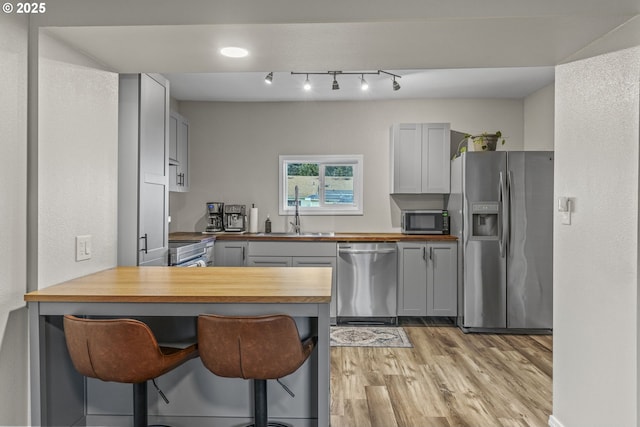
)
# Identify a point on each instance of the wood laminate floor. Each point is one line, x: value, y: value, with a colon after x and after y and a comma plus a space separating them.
x: 447, y: 379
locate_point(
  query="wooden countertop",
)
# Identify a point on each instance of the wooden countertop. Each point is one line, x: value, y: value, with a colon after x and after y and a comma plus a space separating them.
x: 198, y: 285
x: 190, y: 236
x: 337, y: 237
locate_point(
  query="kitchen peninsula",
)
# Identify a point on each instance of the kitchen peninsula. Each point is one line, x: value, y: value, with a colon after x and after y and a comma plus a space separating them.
x: 60, y: 396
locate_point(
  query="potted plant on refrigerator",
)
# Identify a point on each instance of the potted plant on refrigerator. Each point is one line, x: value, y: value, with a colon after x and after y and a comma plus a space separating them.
x: 483, y: 142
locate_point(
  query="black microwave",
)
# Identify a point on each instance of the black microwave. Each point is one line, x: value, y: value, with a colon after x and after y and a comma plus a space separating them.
x: 424, y: 221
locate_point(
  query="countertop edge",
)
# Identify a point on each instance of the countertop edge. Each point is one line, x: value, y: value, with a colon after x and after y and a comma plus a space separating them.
x: 338, y: 237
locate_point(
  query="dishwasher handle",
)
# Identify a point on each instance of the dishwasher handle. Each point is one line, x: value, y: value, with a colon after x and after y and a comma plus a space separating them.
x: 366, y: 251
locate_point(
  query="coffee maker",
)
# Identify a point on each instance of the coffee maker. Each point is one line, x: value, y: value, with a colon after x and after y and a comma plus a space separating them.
x: 215, y: 213
x: 235, y: 218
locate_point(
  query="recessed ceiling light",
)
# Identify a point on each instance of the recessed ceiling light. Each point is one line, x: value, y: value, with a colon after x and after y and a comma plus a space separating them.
x: 234, y: 52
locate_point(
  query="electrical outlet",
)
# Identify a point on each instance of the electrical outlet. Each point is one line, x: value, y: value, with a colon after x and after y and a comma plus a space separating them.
x: 83, y: 247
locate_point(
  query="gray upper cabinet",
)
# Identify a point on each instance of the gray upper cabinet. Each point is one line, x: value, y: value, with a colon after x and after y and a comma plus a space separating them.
x: 178, y: 153
x: 143, y: 145
x: 427, y: 279
x: 420, y: 158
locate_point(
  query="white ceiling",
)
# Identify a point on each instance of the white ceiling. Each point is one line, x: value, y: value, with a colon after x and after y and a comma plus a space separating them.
x: 457, y: 48
x: 438, y: 83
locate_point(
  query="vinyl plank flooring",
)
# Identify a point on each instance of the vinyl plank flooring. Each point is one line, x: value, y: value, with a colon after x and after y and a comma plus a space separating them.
x: 447, y: 379
x: 380, y: 409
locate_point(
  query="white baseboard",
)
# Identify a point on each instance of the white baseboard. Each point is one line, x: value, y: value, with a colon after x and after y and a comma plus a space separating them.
x: 553, y: 422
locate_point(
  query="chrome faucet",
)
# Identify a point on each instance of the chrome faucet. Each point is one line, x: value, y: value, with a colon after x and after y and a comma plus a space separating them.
x: 296, y: 223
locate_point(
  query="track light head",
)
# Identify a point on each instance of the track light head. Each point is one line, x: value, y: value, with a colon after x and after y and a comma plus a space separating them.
x: 363, y: 83
x: 269, y: 78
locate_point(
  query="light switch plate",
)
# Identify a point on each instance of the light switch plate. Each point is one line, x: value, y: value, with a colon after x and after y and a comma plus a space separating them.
x: 83, y: 247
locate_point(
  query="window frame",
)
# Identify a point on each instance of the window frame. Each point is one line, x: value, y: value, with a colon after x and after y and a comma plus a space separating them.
x: 355, y: 160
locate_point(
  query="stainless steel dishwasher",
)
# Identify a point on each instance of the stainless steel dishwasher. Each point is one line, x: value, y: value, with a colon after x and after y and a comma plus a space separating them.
x: 367, y: 282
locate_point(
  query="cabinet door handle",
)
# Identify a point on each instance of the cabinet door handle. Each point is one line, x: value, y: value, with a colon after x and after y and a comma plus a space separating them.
x: 431, y: 254
x: 424, y: 253
x: 145, y: 243
x: 243, y: 253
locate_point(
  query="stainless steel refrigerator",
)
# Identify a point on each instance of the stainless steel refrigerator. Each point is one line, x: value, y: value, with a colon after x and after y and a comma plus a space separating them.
x: 501, y: 209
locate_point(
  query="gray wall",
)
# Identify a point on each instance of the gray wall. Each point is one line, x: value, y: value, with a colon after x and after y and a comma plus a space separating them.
x: 595, y: 354
x: 77, y: 168
x: 235, y: 148
x: 13, y: 212
x: 539, y: 119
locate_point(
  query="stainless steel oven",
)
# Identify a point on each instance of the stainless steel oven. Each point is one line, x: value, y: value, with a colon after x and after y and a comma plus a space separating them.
x: 191, y: 254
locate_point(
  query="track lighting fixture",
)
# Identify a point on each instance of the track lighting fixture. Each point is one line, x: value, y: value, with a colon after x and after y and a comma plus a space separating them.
x: 335, y: 85
x: 269, y: 79
x: 364, y: 85
x: 396, y: 85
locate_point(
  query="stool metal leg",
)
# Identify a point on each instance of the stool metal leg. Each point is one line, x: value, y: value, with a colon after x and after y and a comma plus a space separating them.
x: 260, y: 412
x: 260, y: 403
x: 140, y: 404
x: 140, y: 409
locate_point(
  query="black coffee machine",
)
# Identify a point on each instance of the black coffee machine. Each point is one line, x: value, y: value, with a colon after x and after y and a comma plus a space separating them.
x: 215, y: 215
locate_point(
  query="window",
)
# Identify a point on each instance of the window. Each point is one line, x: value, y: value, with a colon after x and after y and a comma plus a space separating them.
x: 327, y: 185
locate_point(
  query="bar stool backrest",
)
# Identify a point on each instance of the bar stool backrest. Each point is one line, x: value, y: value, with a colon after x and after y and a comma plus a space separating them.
x: 120, y: 350
x: 255, y: 347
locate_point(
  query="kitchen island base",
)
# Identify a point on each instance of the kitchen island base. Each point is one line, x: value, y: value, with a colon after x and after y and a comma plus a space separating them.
x: 60, y: 396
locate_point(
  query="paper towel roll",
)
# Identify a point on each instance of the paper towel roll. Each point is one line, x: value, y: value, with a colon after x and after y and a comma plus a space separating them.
x: 253, y: 220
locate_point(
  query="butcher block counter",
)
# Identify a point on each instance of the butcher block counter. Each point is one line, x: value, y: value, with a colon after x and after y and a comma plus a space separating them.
x: 209, y: 285
x: 172, y: 297
x: 315, y: 237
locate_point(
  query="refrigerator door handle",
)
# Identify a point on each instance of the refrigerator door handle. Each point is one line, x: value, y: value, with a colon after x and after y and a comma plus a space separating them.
x: 504, y: 221
x: 509, y: 209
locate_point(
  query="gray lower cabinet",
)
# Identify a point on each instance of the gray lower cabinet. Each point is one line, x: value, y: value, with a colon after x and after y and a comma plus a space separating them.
x: 269, y: 261
x: 442, y: 279
x: 427, y: 279
x: 296, y: 254
x: 230, y: 253
x: 412, y: 279
x: 323, y: 261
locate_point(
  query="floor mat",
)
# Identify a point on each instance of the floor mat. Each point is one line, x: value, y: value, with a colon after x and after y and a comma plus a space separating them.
x: 369, y: 336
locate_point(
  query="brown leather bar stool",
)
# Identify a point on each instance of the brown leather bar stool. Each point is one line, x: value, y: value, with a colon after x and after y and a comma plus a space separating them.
x: 124, y: 351
x: 257, y: 347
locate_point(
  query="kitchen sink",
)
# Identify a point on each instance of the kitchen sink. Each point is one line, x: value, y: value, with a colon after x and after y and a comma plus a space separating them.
x: 291, y: 234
